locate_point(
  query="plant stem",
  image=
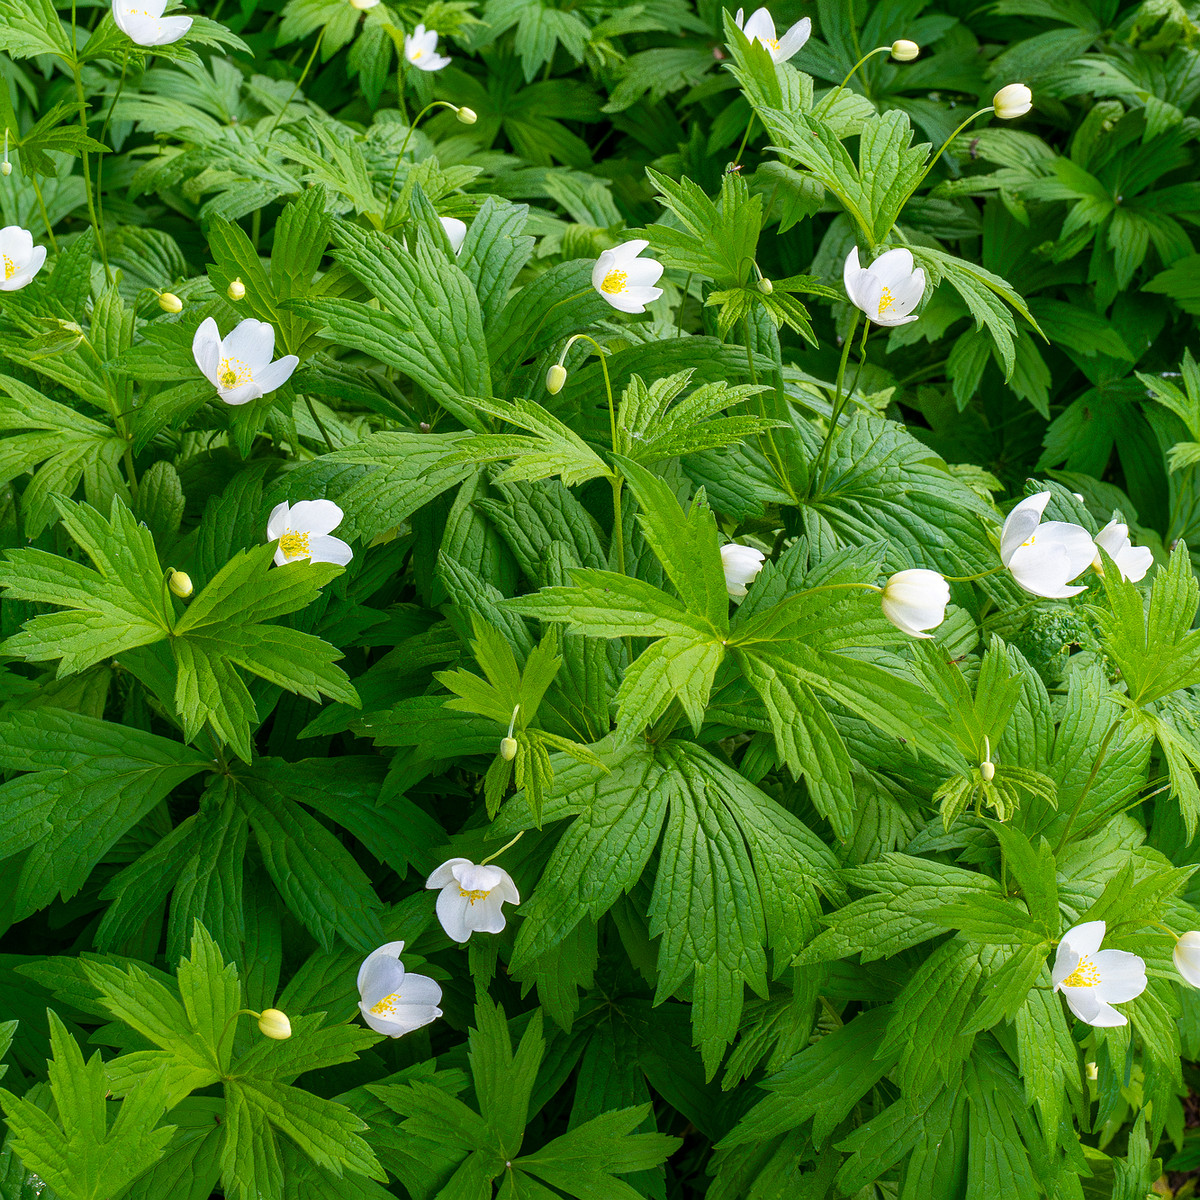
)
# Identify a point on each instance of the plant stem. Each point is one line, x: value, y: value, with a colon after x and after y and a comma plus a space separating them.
x: 84, y: 158
x: 507, y: 845
x: 823, y: 458
x: 933, y: 160
x: 408, y: 135
x: 842, y: 86
x: 37, y: 191
x: 312, y: 412
x: 1087, y: 787
x: 745, y: 138
x: 299, y: 83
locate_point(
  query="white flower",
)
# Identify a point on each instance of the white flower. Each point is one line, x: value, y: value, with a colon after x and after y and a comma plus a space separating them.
x: 472, y: 897
x: 915, y: 600
x: 456, y: 231
x: 905, y: 51
x: 1187, y: 957
x: 420, y: 48
x: 19, y: 257
x: 275, y: 1024
x: 888, y: 290
x: 240, y: 366
x: 1015, y: 100
x: 761, y: 29
x: 742, y: 565
x: 626, y: 281
x: 1092, y: 980
x: 1132, y: 561
x: 363, y: 5
x: 391, y: 1001
x: 1044, y: 556
x: 142, y: 21
x: 303, y: 532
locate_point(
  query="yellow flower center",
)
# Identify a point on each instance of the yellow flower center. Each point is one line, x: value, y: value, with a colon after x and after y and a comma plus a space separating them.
x: 770, y: 43
x: 1085, y: 975
x: 294, y: 544
x: 614, y: 283
x: 1029, y: 540
x: 417, y: 54
x: 233, y: 373
x: 9, y: 269
x: 887, y: 302
x: 386, y: 1006
x: 471, y: 897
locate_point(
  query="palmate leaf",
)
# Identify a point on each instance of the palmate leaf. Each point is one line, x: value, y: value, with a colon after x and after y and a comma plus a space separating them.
x: 78, y: 1153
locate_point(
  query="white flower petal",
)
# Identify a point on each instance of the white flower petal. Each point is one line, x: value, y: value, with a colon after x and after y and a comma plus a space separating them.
x: 760, y: 26
x: 1020, y: 523
x: 16, y: 244
x: 793, y: 41
x: 382, y: 977
x: 252, y: 342
x: 1084, y: 939
x: 171, y: 29
x: 642, y: 273
x: 315, y: 516
x: 421, y: 990
x: 915, y: 600
x: 853, y: 276
x: 325, y: 549
x: 444, y: 874
x: 206, y: 349
x: 275, y: 375
x: 1187, y: 957
x: 390, y: 950
x: 486, y: 916
x: 452, y: 908
x: 278, y: 523
x: 456, y: 232
x: 240, y: 395
x: 482, y: 878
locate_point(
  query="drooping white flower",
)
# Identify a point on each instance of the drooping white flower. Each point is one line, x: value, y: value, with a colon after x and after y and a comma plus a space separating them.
x: 742, y: 565
x: 142, y: 21
x: 420, y: 48
x: 915, y: 600
x: 472, y: 897
x: 456, y: 231
x: 1014, y: 100
x: 302, y: 531
x: 1132, y: 561
x: 1044, y: 556
x: 626, y: 281
x: 1187, y: 957
x: 1092, y: 980
x: 240, y: 366
x: 761, y: 29
x: 392, y: 1001
x: 888, y: 290
x: 20, y: 259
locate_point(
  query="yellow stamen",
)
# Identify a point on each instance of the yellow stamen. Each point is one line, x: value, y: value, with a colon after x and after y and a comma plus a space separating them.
x: 473, y: 896
x: 418, y: 54
x: 887, y: 302
x: 770, y: 43
x: 294, y: 544
x: 1085, y: 975
x: 1030, y: 540
x: 386, y: 1006
x: 614, y: 283
x: 233, y: 373
x: 9, y: 269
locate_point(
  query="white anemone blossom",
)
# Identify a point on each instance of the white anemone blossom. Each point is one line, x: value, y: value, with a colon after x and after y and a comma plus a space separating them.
x: 1093, y: 980
x: 392, y: 1001
x: 626, y: 281
x: 142, y: 21
x: 888, y: 290
x: 472, y: 897
x: 20, y: 259
x: 1044, y: 556
x: 742, y: 565
x: 1132, y: 561
x: 915, y: 600
x: 420, y: 48
x: 761, y: 29
x: 302, y: 531
x: 1187, y: 957
x: 456, y: 231
x: 240, y: 366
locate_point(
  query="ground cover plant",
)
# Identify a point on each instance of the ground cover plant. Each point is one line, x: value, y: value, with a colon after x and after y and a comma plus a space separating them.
x: 597, y: 600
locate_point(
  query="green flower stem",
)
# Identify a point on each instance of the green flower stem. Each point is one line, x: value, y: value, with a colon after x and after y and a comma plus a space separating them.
x: 745, y: 137
x: 841, y: 87
x: 780, y: 472
x: 546, y: 316
x: 972, y: 578
x: 507, y: 845
x: 839, y: 400
x: 85, y: 158
x: 1087, y: 787
x: 312, y: 412
x: 299, y: 84
x: 37, y: 191
x: 411, y: 129
x: 241, y: 1012
x: 933, y: 160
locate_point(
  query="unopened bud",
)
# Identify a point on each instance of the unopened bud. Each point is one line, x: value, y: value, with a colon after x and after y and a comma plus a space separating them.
x: 180, y: 582
x: 467, y: 115
x: 236, y: 290
x: 905, y: 51
x: 508, y: 748
x: 363, y: 5
x: 1014, y: 100
x: 988, y: 771
x: 275, y: 1024
x: 555, y: 378
x: 169, y: 302
x: 5, y: 168
x: 765, y: 286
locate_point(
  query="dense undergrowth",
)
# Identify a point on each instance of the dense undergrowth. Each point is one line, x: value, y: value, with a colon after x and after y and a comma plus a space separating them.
x: 598, y: 600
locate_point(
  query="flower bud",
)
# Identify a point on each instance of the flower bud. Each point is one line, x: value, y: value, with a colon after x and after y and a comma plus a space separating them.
x: 508, y: 748
x: 180, y: 582
x: 5, y: 168
x: 467, y: 115
x: 275, y: 1024
x: 236, y: 290
x: 915, y: 600
x: 988, y: 770
x: 555, y: 378
x: 905, y: 51
x: 169, y: 302
x: 765, y: 286
x: 1015, y: 100
x: 363, y: 5
x: 1187, y: 957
